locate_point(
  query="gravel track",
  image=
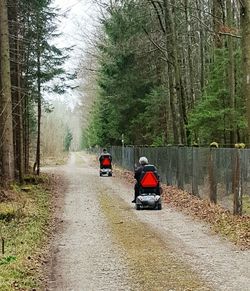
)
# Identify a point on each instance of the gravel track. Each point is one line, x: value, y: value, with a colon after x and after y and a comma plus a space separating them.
x: 89, y: 252
x: 84, y: 257
x: 215, y: 259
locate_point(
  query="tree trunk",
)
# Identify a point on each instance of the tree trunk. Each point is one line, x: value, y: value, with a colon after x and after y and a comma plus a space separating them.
x: 245, y: 23
x: 178, y: 78
x: 173, y: 56
x: 39, y: 114
x: 217, y: 11
x: 190, y: 84
x: 26, y: 105
x: 39, y: 96
x: 16, y: 92
x: 20, y: 158
x: 202, y: 47
x: 6, y: 137
x: 26, y: 133
x: 231, y: 74
x: 171, y: 82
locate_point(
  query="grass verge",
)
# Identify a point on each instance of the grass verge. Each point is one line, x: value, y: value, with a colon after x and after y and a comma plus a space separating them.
x: 55, y: 160
x: 24, y: 221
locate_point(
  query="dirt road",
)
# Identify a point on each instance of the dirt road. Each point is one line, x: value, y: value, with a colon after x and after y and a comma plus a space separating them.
x: 105, y: 244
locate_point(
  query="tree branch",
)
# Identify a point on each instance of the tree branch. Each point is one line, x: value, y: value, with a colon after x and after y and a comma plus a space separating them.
x: 229, y: 34
x: 158, y: 14
x: 154, y: 43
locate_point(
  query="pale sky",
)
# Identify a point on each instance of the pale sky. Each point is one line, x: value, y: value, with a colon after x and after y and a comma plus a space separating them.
x: 80, y: 19
x: 80, y: 15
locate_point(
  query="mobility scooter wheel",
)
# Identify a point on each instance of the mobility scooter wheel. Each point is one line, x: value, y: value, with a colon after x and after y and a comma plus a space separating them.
x: 138, y: 207
x: 159, y: 206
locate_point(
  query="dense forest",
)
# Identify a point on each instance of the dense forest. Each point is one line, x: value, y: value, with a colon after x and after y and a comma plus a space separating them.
x: 168, y: 80
x: 169, y: 72
x: 28, y: 61
x: 154, y: 73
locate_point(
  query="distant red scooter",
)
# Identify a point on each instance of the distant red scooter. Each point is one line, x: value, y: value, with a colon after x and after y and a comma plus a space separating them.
x: 105, y: 166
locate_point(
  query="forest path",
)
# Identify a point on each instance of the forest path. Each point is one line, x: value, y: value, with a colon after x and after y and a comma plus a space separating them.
x: 105, y: 244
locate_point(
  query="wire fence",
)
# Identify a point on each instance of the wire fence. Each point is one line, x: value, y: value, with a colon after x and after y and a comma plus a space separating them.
x: 221, y: 175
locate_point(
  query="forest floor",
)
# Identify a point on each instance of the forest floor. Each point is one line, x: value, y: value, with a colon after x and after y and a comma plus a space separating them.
x: 26, y: 222
x: 103, y: 243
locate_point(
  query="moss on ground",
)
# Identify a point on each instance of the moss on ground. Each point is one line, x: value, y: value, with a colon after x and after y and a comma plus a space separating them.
x: 153, y: 264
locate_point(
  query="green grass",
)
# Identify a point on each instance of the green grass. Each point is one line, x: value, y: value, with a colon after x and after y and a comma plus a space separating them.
x: 246, y: 204
x: 23, y: 224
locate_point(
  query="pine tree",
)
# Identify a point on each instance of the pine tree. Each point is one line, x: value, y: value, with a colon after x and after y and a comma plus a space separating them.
x: 6, y: 133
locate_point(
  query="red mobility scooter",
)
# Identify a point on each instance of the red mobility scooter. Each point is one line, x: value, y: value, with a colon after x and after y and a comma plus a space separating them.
x: 149, y: 189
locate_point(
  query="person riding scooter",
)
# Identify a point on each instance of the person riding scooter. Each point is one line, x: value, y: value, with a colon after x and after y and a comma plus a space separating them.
x: 143, y: 161
x: 105, y: 160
